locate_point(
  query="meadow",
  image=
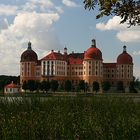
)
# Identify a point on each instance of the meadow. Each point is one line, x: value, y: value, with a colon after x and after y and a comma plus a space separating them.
x: 69, y: 118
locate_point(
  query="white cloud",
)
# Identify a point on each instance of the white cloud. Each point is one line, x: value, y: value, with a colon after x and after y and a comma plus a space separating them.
x: 112, y: 24
x: 137, y: 71
x: 8, y: 9
x: 124, y: 33
x: 33, y: 21
x: 129, y: 35
x: 69, y: 3
x: 3, y: 24
x: 136, y: 53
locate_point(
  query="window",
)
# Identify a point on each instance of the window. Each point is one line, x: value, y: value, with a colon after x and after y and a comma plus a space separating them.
x: 96, y: 73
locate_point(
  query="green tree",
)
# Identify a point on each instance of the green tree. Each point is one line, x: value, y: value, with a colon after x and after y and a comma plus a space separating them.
x: 132, y: 88
x: 106, y: 85
x: 95, y: 86
x: 31, y: 85
x: 68, y: 85
x: 82, y: 85
x: 128, y: 10
x: 25, y: 86
x: 45, y: 86
x: 54, y: 85
x: 120, y: 86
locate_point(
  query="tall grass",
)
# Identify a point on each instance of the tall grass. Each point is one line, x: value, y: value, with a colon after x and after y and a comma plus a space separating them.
x: 69, y: 118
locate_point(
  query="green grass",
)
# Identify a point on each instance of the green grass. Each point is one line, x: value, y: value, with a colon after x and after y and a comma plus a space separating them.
x: 69, y: 118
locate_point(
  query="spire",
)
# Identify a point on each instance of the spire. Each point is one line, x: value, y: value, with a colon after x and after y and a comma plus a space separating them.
x: 65, y: 50
x: 29, y: 45
x: 93, y: 43
x: 124, y: 49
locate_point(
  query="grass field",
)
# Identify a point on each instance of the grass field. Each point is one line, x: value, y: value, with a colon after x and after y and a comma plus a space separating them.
x: 69, y: 118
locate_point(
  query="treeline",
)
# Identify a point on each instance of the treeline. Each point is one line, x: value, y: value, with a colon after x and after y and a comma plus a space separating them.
x: 53, y: 85
x: 82, y: 86
x: 4, y: 80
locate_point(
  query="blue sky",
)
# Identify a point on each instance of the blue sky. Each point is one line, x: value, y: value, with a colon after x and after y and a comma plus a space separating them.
x: 54, y: 24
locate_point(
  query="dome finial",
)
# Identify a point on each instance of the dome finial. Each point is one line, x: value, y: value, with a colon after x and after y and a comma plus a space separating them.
x: 124, y: 48
x: 93, y: 43
x: 29, y: 45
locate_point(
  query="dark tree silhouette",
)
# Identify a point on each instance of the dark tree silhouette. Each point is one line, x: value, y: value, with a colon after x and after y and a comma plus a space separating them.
x: 54, y: 85
x: 120, y: 86
x: 132, y: 88
x: 106, y: 85
x: 25, y: 86
x: 68, y: 85
x: 31, y: 84
x: 128, y: 10
x: 82, y: 85
x: 95, y: 86
x: 45, y: 86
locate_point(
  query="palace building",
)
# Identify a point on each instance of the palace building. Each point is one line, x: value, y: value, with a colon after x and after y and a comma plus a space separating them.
x: 87, y: 66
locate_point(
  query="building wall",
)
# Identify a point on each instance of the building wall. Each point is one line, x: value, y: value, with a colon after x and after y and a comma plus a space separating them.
x: 11, y: 90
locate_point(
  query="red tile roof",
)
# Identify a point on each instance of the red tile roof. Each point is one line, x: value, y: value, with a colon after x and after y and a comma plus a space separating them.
x: 75, y: 58
x: 124, y: 58
x: 109, y: 65
x: 12, y: 85
x: 53, y: 56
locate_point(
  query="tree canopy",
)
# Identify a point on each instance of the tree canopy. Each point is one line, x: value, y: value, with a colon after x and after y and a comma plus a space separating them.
x: 106, y: 85
x: 68, y: 85
x: 128, y: 10
x: 95, y: 86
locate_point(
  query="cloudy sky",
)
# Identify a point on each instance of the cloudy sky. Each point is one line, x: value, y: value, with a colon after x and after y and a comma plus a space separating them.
x: 54, y: 24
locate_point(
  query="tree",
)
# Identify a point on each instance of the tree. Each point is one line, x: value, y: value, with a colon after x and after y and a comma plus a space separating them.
x: 54, y: 85
x: 68, y: 85
x: 25, y: 86
x: 45, y: 86
x: 120, y: 86
x: 95, y: 86
x: 128, y: 10
x: 82, y: 85
x: 132, y: 87
x: 106, y: 85
x: 31, y: 85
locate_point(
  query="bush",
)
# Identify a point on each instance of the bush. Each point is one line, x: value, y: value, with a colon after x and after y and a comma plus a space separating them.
x: 98, y: 118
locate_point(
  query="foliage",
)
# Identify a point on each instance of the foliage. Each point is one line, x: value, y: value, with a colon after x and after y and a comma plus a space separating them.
x: 95, y: 86
x: 45, y: 85
x: 106, y: 85
x: 31, y: 84
x: 54, y: 85
x: 69, y: 118
x: 132, y: 87
x: 25, y: 86
x: 68, y: 85
x: 82, y: 85
x: 120, y: 86
x: 4, y: 80
x: 128, y: 10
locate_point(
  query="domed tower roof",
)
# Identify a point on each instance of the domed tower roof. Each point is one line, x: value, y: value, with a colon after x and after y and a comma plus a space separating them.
x: 124, y: 57
x: 29, y: 54
x: 93, y: 52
